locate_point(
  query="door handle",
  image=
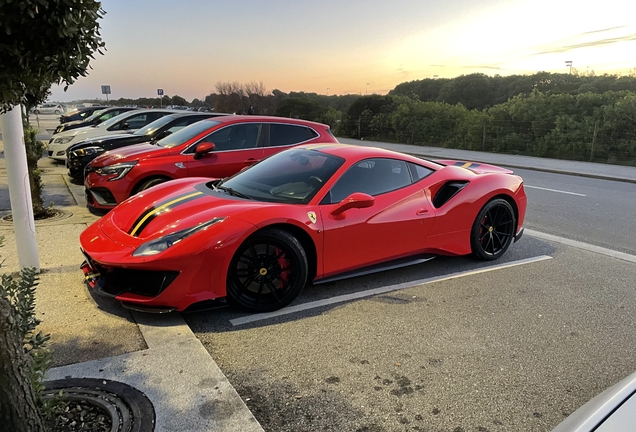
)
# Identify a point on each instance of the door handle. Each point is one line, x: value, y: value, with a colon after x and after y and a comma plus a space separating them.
x: 421, y: 212
x: 250, y: 161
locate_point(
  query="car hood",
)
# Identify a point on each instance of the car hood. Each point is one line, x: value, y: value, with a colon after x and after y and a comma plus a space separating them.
x: 129, y: 154
x: 477, y: 167
x: 103, y: 139
x: 171, y: 207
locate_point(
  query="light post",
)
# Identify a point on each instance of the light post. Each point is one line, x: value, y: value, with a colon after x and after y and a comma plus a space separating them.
x: 327, y: 91
x: 367, y: 92
x: 568, y: 64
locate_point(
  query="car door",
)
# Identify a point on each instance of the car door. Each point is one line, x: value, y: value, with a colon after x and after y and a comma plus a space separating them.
x: 396, y: 225
x: 236, y: 147
x: 282, y: 136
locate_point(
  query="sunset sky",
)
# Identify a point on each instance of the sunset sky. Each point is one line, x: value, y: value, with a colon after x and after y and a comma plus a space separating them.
x: 187, y: 46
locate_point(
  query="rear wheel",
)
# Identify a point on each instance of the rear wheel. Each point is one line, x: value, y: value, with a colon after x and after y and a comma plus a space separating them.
x: 267, y: 271
x: 493, y: 230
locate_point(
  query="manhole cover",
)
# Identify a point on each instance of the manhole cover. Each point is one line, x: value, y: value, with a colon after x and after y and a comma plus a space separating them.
x: 7, y: 219
x: 128, y: 408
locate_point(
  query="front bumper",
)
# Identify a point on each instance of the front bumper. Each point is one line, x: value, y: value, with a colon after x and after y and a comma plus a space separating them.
x: 58, y: 151
x: 519, y: 234
x: 118, y: 281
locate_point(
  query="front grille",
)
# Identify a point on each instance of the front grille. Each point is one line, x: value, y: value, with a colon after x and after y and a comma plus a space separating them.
x: 142, y: 282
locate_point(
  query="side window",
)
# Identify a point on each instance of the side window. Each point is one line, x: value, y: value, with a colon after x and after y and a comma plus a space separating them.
x: 288, y: 134
x: 418, y: 172
x: 234, y: 137
x: 133, y: 122
x: 178, y: 125
x: 371, y: 176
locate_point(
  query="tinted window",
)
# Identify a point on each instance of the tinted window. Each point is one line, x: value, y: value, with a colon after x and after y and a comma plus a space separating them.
x: 152, y: 127
x: 287, y: 134
x: 234, y: 137
x: 371, y: 176
x: 186, y: 134
x: 418, y: 172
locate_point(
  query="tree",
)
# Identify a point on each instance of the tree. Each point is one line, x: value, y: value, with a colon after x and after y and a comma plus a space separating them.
x: 178, y: 100
x: 45, y: 42
x: 41, y: 43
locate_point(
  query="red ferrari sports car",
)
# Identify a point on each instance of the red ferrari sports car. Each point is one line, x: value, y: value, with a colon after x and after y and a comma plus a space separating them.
x: 217, y: 147
x: 309, y: 214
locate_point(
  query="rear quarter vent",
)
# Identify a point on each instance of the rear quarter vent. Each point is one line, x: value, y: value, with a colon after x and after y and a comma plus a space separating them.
x: 448, y: 191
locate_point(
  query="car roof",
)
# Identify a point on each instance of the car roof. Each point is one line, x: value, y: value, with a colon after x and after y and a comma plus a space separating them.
x: 267, y: 119
x: 352, y: 151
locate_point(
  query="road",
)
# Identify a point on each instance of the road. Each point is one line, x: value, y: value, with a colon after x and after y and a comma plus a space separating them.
x: 599, y: 212
x: 452, y: 344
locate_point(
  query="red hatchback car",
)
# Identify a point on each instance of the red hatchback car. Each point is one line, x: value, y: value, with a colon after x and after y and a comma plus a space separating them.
x: 218, y: 147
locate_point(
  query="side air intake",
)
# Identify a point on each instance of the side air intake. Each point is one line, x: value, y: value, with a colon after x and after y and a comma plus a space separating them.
x: 446, y: 192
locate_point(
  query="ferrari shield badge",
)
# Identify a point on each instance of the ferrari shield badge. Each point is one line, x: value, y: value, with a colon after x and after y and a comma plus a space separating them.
x: 312, y: 217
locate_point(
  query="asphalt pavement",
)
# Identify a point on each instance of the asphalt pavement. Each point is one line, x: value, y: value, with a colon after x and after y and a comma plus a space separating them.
x: 159, y: 354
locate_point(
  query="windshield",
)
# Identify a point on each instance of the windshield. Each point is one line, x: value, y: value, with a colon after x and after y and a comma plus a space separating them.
x: 186, y: 134
x: 294, y: 176
x: 111, y: 121
x: 151, y: 128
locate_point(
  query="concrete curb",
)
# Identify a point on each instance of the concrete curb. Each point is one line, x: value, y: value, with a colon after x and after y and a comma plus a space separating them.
x: 188, y: 390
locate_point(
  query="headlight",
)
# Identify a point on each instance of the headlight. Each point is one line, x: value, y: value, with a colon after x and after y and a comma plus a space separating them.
x: 64, y: 140
x: 118, y: 170
x: 161, y: 244
x: 86, y: 151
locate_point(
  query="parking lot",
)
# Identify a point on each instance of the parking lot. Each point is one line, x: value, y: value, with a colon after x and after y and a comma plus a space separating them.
x: 452, y: 344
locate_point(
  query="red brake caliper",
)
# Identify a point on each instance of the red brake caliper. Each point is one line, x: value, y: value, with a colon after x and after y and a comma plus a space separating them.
x: 284, y: 266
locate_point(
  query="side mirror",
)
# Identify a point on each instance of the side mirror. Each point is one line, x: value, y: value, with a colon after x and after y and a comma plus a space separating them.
x: 203, y: 149
x: 355, y: 200
x: 125, y: 126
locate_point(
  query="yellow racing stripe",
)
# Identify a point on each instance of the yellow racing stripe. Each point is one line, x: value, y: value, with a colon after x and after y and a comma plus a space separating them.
x: 162, y: 207
x: 467, y: 164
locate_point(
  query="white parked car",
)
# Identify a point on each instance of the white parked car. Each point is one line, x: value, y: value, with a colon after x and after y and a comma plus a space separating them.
x: 127, y: 122
x: 49, y: 108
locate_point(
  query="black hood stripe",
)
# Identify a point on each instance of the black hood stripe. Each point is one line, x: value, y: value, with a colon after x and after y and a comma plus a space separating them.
x: 154, y: 211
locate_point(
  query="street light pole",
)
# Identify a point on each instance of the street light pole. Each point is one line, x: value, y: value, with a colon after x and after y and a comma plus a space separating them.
x: 367, y: 92
x: 568, y: 64
x: 327, y: 91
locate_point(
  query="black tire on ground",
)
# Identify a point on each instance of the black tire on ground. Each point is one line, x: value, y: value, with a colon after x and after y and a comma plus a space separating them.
x: 57, y: 111
x: 147, y: 184
x: 493, y: 230
x: 267, y: 272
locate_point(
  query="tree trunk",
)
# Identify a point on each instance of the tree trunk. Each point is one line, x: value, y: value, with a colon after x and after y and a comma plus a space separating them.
x: 18, y: 409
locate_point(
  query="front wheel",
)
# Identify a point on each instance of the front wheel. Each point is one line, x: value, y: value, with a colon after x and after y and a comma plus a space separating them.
x: 493, y: 230
x: 150, y: 183
x: 267, y: 271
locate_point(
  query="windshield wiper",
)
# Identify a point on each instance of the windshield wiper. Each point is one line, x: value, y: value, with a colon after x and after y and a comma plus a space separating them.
x: 232, y: 192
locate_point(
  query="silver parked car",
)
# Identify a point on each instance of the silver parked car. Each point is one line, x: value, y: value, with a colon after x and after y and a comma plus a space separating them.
x: 614, y: 410
x: 49, y: 108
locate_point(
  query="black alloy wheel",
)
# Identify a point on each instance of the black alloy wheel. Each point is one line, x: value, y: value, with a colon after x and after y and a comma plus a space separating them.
x: 267, y: 271
x: 493, y: 230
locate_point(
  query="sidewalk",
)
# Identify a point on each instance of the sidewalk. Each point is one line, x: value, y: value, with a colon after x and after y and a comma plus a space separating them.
x: 585, y: 169
x: 94, y: 337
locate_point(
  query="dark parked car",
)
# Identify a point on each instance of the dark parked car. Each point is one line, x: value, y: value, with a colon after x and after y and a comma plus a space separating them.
x: 80, y: 154
x: 80, y: 113
x: 95, y: 119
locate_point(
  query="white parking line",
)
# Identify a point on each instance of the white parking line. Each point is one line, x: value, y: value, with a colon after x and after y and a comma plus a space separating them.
x: 585, y: 246
x: 381, y: 290
x: 554, y: 190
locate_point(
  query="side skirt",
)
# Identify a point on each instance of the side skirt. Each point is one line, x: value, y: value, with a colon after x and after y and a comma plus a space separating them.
x: 389, y: 265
